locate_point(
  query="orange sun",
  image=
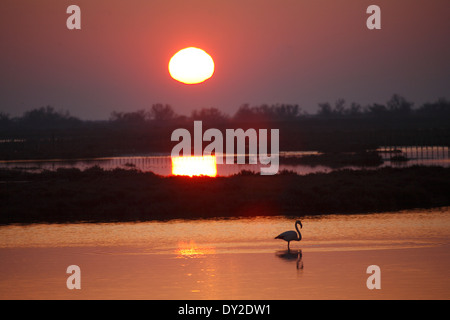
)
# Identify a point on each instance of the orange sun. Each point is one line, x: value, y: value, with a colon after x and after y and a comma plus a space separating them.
x: 191, y: 65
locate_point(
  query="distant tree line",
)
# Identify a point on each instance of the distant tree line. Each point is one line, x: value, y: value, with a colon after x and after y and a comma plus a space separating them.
x: 45, y: 132
x: 396, y: 106
x: 41, y: 116
x: 158, y: 112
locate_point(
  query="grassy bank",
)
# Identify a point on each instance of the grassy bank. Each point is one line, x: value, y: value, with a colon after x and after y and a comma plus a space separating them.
x: 70, y: 195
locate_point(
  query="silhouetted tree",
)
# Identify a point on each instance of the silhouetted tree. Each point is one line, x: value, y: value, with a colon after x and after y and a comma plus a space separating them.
x: 162, y: 112
x: 377, y: 109
x: 209, y: 114
x: 339, y: 107
x: 325, y: 110
x: 136, y: 117
x: 46, y: 116
x: 243, y: 112
x: 399, y: 105
x: 355, y: 109
x: 439, y: 108
x: 264, y: 111
x: 286, y: 111
x: 4, y: 118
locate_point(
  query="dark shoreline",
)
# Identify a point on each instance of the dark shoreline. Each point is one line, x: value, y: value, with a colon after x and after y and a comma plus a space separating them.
x: 96, y: 195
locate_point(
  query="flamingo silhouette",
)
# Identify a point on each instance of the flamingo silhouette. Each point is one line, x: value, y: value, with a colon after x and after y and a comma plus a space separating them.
x: 291, y: 235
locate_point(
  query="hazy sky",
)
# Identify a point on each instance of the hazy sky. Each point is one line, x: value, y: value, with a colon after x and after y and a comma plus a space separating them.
x: 299, y: 51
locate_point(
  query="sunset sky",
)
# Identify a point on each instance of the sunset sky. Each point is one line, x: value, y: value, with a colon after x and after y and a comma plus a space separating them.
x: 299, y: 51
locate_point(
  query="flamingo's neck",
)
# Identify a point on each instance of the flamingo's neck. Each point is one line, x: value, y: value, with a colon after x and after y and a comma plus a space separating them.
x: 298, y: 231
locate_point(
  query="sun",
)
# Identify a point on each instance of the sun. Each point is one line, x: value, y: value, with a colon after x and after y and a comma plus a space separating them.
x: 191, y: 66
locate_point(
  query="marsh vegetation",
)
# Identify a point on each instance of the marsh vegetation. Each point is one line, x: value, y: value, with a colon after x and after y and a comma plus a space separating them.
x: 72, y: 195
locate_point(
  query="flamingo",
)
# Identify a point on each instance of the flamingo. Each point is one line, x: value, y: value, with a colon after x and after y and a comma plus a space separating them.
x: 291, y: 235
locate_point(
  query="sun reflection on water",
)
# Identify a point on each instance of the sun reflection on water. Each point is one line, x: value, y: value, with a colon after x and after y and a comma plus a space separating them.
x: 192, y: 250
x: 194, y: 166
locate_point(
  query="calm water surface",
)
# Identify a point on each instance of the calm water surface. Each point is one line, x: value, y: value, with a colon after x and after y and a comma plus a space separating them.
x: 161, y: 164
x: 232, y: 259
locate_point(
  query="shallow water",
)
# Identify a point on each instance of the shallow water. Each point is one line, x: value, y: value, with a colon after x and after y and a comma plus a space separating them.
x: 231, y: 259
x: 161, y: 164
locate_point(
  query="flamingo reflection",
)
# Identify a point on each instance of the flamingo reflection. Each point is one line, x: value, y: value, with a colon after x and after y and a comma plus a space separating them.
x: 288, y: 255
